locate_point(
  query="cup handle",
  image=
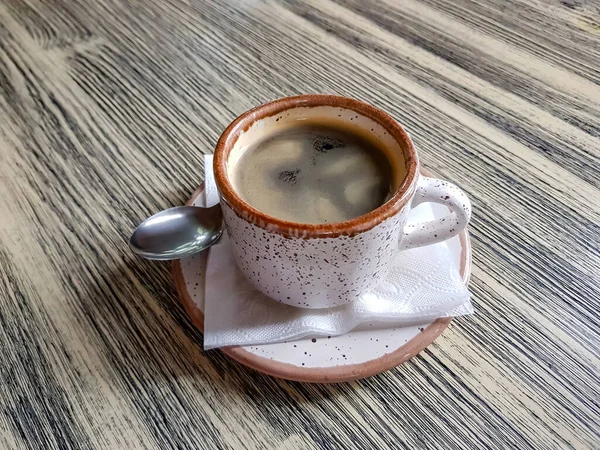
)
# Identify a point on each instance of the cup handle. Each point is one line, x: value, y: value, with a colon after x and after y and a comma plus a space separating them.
x: 437, y: 230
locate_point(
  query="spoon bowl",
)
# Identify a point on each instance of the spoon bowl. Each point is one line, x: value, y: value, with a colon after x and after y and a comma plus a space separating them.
x: 178, y: 232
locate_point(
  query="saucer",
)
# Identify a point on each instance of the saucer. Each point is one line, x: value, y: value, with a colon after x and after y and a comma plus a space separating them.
x: 354, y: 355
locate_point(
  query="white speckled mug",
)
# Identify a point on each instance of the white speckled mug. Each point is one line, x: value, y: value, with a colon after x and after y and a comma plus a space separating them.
x: 327, y: 265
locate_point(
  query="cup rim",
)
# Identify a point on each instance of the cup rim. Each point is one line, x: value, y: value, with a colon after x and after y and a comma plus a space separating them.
x: 304, y: 230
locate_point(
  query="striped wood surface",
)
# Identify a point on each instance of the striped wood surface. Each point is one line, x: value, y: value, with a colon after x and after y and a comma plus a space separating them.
x: 105, y: 110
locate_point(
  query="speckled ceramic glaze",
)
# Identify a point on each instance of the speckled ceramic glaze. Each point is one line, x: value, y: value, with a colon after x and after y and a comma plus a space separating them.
x: 327, y: 265
x: 358, y: 354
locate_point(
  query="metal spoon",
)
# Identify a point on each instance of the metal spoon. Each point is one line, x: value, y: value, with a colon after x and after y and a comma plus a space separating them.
x: 177, y: 232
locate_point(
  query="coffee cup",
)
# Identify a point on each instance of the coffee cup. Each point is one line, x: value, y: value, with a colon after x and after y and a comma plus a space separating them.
x: 315, y: 218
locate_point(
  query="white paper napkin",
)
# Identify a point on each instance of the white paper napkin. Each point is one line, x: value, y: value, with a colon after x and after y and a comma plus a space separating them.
x: 423, y: 285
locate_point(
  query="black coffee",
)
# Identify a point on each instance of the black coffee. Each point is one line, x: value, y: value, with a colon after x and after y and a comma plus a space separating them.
x: 313, y: 174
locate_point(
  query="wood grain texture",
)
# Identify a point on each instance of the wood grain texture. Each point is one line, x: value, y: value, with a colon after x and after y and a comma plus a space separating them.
x: 105, y: 110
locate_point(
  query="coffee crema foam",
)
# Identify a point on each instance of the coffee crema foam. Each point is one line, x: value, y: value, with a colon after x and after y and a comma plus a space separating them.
x: 314, y: 174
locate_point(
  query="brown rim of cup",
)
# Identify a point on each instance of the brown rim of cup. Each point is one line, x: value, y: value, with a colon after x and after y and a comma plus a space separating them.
x: 292, y: 229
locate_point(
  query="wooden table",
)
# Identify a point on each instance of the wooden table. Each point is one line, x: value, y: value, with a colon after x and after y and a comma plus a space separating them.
x: 106, y: 108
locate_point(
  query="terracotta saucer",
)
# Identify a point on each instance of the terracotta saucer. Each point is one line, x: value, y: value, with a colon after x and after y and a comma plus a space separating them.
x: 355, y: 355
